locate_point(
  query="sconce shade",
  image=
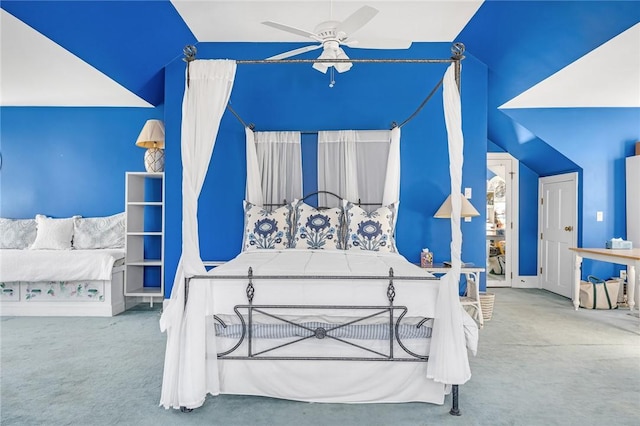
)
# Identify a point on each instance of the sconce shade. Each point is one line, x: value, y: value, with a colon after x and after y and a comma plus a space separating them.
x: 152, y: 138
x: 152, y: 135
x: 444, y: 212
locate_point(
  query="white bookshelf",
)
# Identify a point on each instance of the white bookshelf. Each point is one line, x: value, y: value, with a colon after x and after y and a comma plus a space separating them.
x: 633, y: 208
x: 144, y: 243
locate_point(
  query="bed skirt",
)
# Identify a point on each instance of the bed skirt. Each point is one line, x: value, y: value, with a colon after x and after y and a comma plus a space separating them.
x: 331, y: 381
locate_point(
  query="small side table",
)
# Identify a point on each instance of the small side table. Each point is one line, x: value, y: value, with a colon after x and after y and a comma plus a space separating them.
x: 472, y: 294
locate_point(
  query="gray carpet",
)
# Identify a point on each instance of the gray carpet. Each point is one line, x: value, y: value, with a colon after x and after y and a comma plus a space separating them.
x: 539, y: 363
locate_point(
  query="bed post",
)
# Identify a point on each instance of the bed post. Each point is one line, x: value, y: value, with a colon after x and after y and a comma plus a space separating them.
x: 455, y: 411
x: 186, y: 290
x: 457, y: 51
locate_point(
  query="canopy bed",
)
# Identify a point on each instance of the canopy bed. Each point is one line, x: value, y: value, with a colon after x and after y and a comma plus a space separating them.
x: 319, y: 305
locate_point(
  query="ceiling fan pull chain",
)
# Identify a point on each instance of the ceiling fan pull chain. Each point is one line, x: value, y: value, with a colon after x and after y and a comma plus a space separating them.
x: 332, y: 79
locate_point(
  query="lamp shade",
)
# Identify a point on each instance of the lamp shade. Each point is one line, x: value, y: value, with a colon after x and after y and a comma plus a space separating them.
x: 152, y: 138
x: 444, y: 212
x: 152, y: 135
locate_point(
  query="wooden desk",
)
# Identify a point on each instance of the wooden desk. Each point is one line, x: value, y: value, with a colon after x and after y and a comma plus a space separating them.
x: 631, y: 258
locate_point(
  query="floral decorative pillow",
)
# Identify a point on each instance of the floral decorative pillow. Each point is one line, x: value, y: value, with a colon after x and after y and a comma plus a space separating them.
x: 371, y: 231
x: 99, y: 232
x: 53, y: 234
x: 264, y: 229
x: 316, y: 229
x: 17, y: 233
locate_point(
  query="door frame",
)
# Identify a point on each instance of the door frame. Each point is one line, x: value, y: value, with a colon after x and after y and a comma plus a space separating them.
x: 571, y: 176
x: 513, y: 213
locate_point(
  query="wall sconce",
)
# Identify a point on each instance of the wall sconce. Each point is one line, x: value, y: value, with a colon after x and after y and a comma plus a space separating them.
x: 152, y: 138
x: 444, y: 212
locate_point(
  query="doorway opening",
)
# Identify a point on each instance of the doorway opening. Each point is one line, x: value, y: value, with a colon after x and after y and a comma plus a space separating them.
x: 502, y: 219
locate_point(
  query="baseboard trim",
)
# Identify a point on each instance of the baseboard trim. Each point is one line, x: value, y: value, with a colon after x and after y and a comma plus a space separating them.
x: 526, y: 281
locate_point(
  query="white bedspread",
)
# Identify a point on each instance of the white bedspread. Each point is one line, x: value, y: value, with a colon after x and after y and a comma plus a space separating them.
x: 57, y: 265
x: 198, y: 373
x: 418, y: 296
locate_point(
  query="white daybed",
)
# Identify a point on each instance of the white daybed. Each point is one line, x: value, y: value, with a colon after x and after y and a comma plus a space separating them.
x: 44, y: 275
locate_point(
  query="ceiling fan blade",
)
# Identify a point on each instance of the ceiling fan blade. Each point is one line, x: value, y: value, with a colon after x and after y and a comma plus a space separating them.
x: 378, y: 43
x: 295, y: 52
x: 357, y: 20
x: 291, y: 29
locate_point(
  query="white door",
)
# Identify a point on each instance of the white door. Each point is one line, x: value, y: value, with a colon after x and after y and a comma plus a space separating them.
x: 558, y: 219
x: 502, y: 219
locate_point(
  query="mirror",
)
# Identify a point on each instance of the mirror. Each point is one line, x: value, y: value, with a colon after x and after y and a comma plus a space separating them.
x: 496, y: 222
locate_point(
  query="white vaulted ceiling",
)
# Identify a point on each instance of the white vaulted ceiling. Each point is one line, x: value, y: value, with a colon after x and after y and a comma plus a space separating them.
x: 419, y: 21
x: 106, y: 53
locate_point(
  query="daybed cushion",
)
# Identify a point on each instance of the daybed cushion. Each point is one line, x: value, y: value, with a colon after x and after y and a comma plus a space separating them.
x: 371, y: 231
x: 316, y: 229
x: 17, y: 233
x: 53, y: 234
x: 57, y: 265
x: 99, y: 232
x: 264, y: 229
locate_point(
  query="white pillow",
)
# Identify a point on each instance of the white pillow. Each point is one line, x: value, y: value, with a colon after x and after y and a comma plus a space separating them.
x: 371, y: 231
x: 53, y: 234
x: 99, y: 232
x: 316, y: 229
x: 17, y: 233
x: 266, y: 230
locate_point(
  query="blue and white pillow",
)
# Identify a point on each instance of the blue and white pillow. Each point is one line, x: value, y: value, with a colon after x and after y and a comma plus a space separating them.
x: 17, y: 233
x: 371, y: 231
x: 99, y: 232
x: 316, y: 229
x: 264, y: 229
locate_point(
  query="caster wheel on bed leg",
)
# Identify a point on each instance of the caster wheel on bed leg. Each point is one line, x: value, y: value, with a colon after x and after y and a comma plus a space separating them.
x: 186, y: 410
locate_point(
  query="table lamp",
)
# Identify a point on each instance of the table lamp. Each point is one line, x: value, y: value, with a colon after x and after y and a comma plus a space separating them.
x: 444, y: 212
x: 152, y: 138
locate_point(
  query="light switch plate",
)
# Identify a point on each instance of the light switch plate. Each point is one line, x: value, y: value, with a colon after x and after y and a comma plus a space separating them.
x: 467, y: 193
x: 599, y: 216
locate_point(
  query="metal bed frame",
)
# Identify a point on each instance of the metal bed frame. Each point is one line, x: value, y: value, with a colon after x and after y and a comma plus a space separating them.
x: 395, y: 316
x: 457, y: 51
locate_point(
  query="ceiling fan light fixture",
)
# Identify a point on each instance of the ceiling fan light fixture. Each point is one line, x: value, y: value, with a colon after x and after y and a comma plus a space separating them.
x: 329, y: 53
x: 332, y: 34
x: 321, y: 66
x: 342, y: 66
x: 324, y: 66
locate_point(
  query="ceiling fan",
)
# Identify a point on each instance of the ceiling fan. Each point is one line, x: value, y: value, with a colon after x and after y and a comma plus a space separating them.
x: 331, y: 35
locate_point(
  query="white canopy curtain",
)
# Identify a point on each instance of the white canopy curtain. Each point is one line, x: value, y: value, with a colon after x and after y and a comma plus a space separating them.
x: 448, y: 359
x: 205, y: 98
x: 359, y: 165
x: 274, y: 167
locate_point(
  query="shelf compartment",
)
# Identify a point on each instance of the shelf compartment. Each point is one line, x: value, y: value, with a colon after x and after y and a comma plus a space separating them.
x: 144, y: 238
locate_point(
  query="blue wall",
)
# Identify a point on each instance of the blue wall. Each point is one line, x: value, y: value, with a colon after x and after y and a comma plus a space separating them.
x: 528, y: 221
x: 369, y: 96
x: 68, y: 161
x: 597, y: 140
